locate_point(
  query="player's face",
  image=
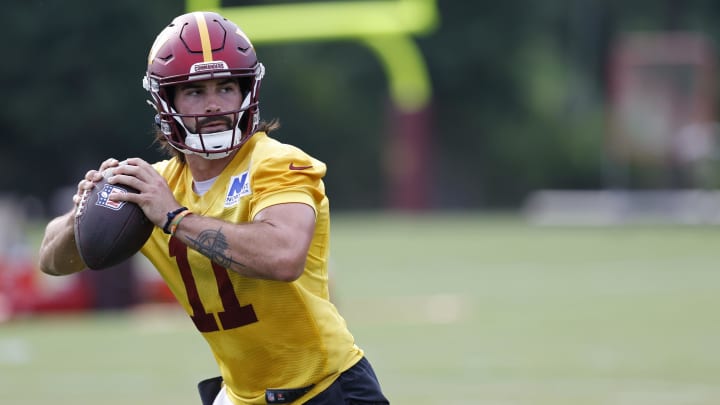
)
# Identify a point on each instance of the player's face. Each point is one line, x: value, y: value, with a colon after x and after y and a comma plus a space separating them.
x: 208, y: 97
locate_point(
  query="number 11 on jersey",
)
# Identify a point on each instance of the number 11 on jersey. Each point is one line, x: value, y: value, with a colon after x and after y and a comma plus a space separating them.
x: 234, y: 315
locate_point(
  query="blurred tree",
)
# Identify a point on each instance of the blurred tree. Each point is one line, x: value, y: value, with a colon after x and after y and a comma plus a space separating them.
x: 73, y: 88
x: 519, y: 97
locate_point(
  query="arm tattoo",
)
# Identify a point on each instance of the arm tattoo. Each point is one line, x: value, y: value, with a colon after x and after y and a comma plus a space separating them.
x: 213, y: 244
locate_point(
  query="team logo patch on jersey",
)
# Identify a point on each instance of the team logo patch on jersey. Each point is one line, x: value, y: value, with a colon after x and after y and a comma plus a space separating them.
x: 239, y: 187
x: 104, y: 197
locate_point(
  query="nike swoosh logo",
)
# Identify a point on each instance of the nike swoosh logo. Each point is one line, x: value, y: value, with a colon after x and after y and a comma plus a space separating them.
x: 293, y: 167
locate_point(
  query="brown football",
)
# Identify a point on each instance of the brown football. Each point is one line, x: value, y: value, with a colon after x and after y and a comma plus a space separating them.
x: 109, y: 232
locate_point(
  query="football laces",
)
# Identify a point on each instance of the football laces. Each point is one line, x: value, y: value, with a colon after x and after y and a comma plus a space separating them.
x: 82, y: 203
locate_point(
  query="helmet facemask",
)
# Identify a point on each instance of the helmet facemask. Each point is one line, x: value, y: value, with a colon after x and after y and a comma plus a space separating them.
x: 212, y: 145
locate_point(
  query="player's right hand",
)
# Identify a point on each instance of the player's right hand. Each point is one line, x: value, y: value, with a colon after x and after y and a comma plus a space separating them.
x: 92, y: 177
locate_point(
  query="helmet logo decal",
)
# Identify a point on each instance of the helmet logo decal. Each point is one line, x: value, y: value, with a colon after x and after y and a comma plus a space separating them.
x: 204, y: 36
x: 205, y: 66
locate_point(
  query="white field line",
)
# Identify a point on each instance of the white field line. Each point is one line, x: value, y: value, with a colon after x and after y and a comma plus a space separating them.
x: 14, y: 352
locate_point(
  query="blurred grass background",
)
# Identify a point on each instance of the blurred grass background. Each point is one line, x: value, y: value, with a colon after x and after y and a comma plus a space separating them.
x: 451, y: 309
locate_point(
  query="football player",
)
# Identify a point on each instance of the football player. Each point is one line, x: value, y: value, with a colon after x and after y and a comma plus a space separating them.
x: 242, y: 227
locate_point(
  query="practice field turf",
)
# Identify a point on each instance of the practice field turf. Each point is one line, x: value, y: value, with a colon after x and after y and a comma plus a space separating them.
x: 463, y: 309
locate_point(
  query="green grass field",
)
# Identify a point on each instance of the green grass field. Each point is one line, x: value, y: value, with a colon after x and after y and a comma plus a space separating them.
x: 456, y: 309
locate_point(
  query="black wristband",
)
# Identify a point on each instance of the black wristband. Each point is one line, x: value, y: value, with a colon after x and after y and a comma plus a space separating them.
x: 170, y: 216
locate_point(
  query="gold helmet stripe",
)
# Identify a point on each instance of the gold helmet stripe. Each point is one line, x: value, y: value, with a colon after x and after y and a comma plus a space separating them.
x: 204, y: 37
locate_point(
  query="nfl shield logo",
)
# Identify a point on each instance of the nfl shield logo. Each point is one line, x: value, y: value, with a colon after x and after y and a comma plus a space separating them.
x: 104, y: 194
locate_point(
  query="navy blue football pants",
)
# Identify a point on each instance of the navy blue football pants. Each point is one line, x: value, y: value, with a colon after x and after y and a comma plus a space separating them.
x: 356, y: 386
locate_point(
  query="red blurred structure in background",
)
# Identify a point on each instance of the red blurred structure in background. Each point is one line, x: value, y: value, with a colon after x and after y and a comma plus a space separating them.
x: 409, y: 162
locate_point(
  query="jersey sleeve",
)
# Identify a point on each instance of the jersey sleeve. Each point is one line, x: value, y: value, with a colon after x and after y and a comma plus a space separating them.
x: 288, y: 177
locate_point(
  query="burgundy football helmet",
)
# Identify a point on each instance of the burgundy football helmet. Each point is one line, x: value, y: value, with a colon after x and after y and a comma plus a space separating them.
x: 203, y: 46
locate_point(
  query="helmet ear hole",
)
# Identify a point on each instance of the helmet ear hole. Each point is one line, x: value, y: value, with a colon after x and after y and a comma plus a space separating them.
x: 245, y: 84
x: 243, y: 122
x: 170, y: 95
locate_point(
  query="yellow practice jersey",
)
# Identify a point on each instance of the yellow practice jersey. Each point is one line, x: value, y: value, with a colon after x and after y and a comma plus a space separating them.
x: 263, y: 334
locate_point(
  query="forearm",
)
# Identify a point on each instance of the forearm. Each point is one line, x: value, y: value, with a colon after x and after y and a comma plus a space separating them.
x: 260, y: 249
x: 58, y: 252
